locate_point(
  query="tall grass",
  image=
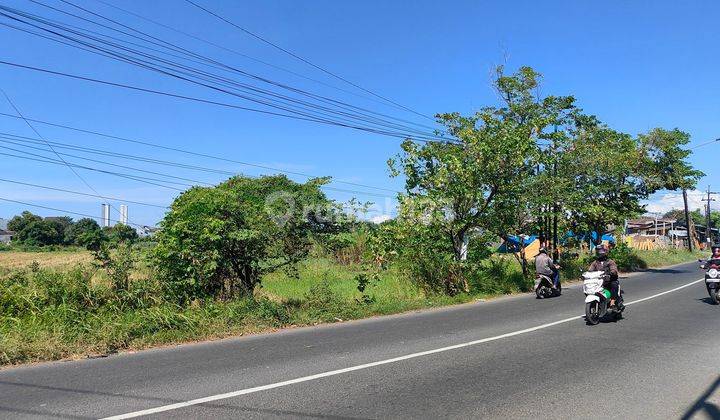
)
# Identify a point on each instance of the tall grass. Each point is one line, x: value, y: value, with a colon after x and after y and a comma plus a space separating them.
x: 60, y: 312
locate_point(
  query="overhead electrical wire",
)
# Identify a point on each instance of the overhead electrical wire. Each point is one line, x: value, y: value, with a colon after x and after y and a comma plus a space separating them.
x: 705, y: 144
x: 214, y: 63
x: 14, y: 138
x: 236, y: 52
x: 192, y: 153
x: 72, y: 169
x: 117, y: 165
x: 202, y: 78
x: 145, y: 179
x: 254, y: 35
x: 164, y: 44
x: 21, y: 140
x: 46, y: 187
x: 195, y: 99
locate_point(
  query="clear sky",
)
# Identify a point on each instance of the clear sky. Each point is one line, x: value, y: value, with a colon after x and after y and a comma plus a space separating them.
x: 635, y: 64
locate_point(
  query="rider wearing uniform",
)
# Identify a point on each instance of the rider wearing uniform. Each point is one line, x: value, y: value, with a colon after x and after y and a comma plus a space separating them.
x: 607, y: 265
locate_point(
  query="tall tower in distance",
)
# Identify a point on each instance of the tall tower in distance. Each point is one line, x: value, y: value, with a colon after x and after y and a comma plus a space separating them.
x: 105, y: 215
x: 123, y: 214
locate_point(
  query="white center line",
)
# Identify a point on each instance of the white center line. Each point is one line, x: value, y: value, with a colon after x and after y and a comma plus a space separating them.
x: 246, y: 391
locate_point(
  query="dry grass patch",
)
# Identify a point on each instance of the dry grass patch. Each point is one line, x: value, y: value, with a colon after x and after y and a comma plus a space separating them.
x: 50, y: 260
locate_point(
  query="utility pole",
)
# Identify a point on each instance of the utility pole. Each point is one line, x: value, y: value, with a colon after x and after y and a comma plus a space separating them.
x: 708, y: 232
x: 687, y: 220
x: 555, y: 207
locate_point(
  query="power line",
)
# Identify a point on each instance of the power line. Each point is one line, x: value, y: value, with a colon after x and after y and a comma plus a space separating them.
x: 305, y: 60
x: 192, y: 153
x: 110, y: 164
x: 230, y: 50
x: 149, y: 180
x: 17, y: 110
x: 705, y: 144
x: 122, y: 200
x: 146, y: 180
x: 13, y: 138
x: 202, y: 78
x: 173, y: 47
x: 64, y: 211
x: 201, y: 100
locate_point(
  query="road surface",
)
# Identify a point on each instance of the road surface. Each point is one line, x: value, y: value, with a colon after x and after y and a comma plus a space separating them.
x: 514, y: 357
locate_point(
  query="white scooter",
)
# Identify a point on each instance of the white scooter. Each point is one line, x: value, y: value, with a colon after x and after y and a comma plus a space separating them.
x: 597, y: 298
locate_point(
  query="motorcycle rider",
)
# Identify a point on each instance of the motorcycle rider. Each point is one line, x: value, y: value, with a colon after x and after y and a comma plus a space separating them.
x: 544, y: 265
x: 604, y: 263
x: 715, y: 252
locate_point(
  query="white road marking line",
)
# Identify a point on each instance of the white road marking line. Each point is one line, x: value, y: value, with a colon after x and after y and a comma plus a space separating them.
x: 665, y: 292
x: 246, y: 391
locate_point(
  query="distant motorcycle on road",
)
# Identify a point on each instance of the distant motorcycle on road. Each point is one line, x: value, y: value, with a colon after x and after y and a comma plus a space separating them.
x: 597, y: 298
x: 712, y: 278
x: 544, y: 287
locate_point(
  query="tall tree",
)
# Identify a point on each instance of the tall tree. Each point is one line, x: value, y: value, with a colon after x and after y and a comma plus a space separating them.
x: 666, y: 165
x: 480, y: 182
x: 18, y: 223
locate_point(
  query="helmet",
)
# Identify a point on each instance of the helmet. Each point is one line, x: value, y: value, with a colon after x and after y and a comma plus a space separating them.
x: 715, y: 248
x: 602, y: 252
x: 542, y: 250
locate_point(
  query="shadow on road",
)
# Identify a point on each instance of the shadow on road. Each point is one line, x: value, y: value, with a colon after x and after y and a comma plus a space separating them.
x: 707, y: 300
x: 664, y: 271
x: 702, y: 405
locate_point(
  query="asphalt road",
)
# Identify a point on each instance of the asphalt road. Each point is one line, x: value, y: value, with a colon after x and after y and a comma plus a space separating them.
x: 661, y: 361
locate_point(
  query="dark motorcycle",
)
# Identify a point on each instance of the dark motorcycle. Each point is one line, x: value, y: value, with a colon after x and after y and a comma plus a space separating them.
x: 544, y: 287
x: 712, y: 278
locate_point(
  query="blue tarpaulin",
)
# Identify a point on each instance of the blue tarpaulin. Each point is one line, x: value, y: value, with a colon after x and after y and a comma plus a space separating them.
x: 514, y: 243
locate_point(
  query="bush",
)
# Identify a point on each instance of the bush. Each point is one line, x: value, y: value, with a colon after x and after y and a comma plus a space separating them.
x: 626, y: 258
x: 218, y: 242
x: 500, y: 275
x: 423, y: 255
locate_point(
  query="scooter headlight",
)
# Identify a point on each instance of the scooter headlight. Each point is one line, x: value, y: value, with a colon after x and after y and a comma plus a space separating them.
x: 712, y: 273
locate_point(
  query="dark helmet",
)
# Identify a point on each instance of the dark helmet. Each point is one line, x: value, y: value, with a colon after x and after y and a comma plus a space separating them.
x: 542, y: 250
x: 602, y: 252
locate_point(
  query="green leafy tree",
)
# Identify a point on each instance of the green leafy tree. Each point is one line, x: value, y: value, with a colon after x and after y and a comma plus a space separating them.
x: 480, y: 183
x: 606, y: 171
x: 122, y: 233
x: 18, y: 223
x: 220, y: 241
x: 80, y: 229
x: 666, y: 165
x: 609, y: 173
x: 41, y: 233
x: 62, y: 224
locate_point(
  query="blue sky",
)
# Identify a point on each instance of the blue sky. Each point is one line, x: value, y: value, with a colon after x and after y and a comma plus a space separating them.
x: 636, y: 65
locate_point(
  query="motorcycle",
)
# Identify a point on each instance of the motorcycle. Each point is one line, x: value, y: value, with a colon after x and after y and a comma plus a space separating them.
x: 712, y: 279
x: 544, y: 287
x: 597, y: 298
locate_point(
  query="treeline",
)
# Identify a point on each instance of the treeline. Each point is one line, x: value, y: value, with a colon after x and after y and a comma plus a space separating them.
x: 35, y: 231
